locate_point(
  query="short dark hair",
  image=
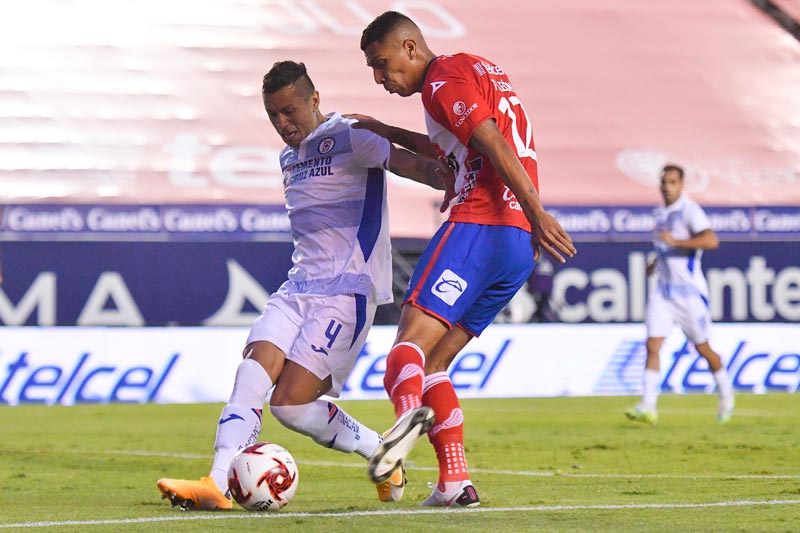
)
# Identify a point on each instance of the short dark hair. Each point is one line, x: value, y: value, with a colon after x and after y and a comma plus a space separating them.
x: 382, y: 26
x: 672, y: 168
x: 285, y: 73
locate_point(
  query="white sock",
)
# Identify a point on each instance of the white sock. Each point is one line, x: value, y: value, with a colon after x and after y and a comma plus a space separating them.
x: 453, y: 488
x: 724, y: 386
x: 652, y: 383
x: 240, y: 422
x: 329, y: 425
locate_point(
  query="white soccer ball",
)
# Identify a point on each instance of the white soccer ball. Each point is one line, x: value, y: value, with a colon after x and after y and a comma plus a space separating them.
x: 263, y: 477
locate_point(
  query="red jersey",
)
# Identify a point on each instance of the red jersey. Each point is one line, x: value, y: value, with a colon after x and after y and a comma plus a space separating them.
x: 462, y: 91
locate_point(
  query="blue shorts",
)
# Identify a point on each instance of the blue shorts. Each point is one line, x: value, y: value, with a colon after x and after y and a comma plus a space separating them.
x: 469, y: 272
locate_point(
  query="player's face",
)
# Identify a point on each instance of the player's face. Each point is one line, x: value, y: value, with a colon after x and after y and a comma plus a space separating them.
x: 293, y: 113
x: 390, y: 61
x: 671, y: 186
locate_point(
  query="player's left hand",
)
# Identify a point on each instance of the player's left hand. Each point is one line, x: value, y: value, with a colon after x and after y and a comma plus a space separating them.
x: 366, y: 122
x: 551, y: 236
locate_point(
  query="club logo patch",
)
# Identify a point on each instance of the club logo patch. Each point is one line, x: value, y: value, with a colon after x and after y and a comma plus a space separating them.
x: 449, y: 287
x: 326, y: 145
x: 459, y: 108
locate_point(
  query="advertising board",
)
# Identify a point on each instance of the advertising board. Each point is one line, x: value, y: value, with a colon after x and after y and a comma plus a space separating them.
x: 185, y: 365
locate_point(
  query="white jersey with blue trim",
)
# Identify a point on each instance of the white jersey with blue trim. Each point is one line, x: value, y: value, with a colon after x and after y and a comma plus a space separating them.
x: 679, y: 269
x: 335, y: 188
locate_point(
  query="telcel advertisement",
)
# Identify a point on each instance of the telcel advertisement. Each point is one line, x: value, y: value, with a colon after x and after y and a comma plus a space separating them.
x: 184, y: 365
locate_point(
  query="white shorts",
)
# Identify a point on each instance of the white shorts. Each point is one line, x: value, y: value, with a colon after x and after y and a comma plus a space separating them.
x: 689, y: 311
x: 323, y: 334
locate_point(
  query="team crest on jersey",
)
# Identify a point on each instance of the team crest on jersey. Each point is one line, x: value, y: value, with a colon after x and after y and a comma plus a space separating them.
x: 459, y: 108
x: 326, y: 145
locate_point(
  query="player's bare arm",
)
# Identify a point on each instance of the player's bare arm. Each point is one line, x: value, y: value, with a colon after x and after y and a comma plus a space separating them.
x: 419, y: 143
x: 428, y: 171
x: 546, y: 231
x: 705, y: 240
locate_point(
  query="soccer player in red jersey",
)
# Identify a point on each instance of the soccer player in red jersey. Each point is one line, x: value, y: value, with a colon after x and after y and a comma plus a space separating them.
x: 478, y: 259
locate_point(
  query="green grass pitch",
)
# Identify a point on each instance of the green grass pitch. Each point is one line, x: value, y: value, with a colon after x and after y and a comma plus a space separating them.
x: 544, y: 464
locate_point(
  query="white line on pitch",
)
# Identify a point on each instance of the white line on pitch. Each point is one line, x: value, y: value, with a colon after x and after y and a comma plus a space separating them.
x: 521, y: 473
x: 352, y: 514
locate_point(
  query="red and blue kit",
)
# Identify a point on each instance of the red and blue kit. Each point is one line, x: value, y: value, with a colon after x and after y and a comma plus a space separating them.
x: 481, y: 257
x: 461, y: 92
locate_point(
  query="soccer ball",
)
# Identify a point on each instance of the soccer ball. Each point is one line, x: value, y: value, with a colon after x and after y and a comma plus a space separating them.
x: 263, y: 477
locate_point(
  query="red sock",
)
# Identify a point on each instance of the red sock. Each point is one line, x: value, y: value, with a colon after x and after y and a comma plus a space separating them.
x: 447, y: 433
x: 404, y: 375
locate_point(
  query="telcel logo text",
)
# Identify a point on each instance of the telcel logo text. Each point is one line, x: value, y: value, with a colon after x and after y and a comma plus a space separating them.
x: 80, y: 381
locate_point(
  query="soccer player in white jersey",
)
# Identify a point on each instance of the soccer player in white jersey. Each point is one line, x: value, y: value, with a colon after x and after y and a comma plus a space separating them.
x: 680, y: 294
x: 306, y: 341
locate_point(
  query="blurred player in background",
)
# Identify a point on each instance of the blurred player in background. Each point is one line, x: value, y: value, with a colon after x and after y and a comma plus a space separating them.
x: 478, y: 259
x: 306, y: 341
x: 540, y: 285
x: 680, y: 294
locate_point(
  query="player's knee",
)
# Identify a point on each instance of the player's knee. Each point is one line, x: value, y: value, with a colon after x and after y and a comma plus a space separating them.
x: 302, y: 419
x: 291, y: 416
x: 705, y: 351
x: 268, y: 356
x: 251, y: 385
